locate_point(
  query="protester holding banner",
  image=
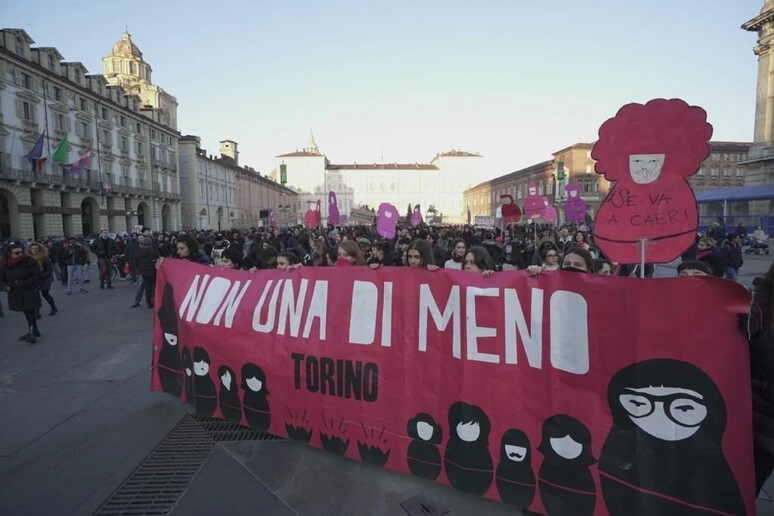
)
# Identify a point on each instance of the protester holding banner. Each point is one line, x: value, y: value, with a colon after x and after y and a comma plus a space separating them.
x: 512, y: 259
x: 693, y: 268
x: 420, y: 254
x: 458, y: 255
x: 603, y: 267
x: 477, y: 259
x: 287, y: 260
x: 188, y: 249
x: 578, y: 260
x: 349, y: 254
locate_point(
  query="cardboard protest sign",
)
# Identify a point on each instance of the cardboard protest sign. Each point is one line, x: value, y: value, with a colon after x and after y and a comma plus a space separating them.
x: 333, y: 209
x: 416, y: 216
x: 272, y: 219
x: 386, y: 218
x: 313, y: 215
x: 574, y: 206
x: 549, y: 212
x: 648, y: 151
x: 534, y: 206
x: 510, y: 211
x: 361, y: 216
x: 565, y: 394
x: 484, y: 222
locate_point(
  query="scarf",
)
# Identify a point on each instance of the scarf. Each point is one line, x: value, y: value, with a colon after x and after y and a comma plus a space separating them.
x: 13, y: 262
x: 458, y: 259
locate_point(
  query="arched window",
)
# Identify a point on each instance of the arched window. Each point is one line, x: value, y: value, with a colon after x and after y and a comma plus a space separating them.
x: 132, y: 67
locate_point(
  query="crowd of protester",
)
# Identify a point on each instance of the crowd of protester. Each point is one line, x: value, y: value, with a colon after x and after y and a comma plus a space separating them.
x: 27, y: 270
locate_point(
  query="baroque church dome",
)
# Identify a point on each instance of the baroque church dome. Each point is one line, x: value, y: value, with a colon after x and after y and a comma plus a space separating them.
x: 125, y: 46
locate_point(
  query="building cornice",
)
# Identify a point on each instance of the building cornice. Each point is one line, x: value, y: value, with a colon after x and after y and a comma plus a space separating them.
x: 756, y: 23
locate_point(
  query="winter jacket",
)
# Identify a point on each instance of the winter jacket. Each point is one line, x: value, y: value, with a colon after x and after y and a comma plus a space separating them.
x: 199, y: 257
x: 145, y: 261
x: 732, y: 254
x: 75, y: 255
x: 130, y: 251
x: 104, y: 248
x: 22, y: 279
x: 714, y: 259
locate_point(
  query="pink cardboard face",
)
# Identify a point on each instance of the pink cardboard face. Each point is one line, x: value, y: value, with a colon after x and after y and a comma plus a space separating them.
x: 386, y: 218
x: 416, y: 217
x: 333, y: 209
x: 575, y: 206
x: 648, y: 151
x: 549, y: 213
x: 510, y: 211
x: 533, y: 205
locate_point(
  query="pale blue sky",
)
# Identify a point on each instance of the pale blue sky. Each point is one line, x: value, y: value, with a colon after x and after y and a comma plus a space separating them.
x: 512, y: 79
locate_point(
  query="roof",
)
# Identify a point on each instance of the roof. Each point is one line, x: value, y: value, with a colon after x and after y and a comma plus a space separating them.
x: 458, y: 154
x: 740, y: 193
x: 524, y: 172
x: 300, y: 154
x: 730, y: 146
x: 383, y: 166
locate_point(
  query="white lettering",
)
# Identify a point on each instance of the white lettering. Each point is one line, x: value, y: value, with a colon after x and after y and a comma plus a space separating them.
x: 268, y: 326
x: 451, y: 311
x: 387, y: 315
x: 318, y: 309
x: 531, y: 339
x: 291, y: 309
x: 230, y: 305
x: 362, y: 318
x: 569, y: 332
x: 193, y: 298
x: 473, y: 331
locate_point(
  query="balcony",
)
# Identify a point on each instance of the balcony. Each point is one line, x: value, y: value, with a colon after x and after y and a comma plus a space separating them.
x: 78, y: 183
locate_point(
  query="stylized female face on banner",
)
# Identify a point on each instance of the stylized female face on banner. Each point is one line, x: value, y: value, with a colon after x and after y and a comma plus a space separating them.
x: 645, y: 168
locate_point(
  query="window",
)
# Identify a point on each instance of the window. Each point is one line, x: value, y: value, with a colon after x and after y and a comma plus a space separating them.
x: 714, y: 171
x: 139, y: 128
x: 154, y: 153
x: 140, y: 149
x: 107, y: 137
x: 26, y: 80
x: 104, y: 114
x: 726, y: 172
x: 541, y: 188
x: 588, y: 169
x: 132, y: 67
x: 701, y: 172
x: 58, y: 93
x: 153, y: 134
x: 123, y: 121
x: 19, y: 45
x: 116, y: 65
x: 124, y: 144
x: 28, y: 110
x: 59, y: 122
x: 77, y: 75
x: 84, y: 105
x: 738, y: 172
x: 82, y: 130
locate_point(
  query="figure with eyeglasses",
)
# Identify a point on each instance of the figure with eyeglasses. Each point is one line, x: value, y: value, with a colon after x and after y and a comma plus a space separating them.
x: 20, y: 276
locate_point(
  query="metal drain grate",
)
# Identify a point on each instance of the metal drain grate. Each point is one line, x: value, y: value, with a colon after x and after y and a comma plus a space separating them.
x: 222, y: 431
x: 163, y: 477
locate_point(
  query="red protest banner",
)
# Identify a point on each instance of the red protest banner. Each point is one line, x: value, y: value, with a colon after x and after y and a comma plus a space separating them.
x: 564, y: 393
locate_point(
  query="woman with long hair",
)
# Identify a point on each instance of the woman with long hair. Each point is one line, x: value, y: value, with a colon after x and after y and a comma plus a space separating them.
x: 39, y: 253
x: 420, y: 254
x: 349, y: 254
x: 20, y: 275
x: 458, y: 247
x: 574, y: 260
x: 478, y: 259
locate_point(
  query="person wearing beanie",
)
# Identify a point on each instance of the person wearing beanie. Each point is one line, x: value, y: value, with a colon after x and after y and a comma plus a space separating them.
x: 145, y: 264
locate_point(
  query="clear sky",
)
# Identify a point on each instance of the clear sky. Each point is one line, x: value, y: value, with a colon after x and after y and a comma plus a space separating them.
x: 512, y: 79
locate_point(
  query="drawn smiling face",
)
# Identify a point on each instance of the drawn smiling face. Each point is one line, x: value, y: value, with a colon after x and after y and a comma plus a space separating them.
x: 645, y: 168
x: 667, y: 413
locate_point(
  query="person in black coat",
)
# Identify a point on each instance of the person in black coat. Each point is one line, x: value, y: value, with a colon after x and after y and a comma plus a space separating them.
x: 145, y: 264
x: 759, y: 327
x: 707, y: 251
x: 105, y: 249
x: 20, y: 275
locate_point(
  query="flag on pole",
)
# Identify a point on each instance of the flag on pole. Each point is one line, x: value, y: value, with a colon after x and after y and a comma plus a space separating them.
x: 36, y: 154
x: 60, y: 156
x: 84, y: 162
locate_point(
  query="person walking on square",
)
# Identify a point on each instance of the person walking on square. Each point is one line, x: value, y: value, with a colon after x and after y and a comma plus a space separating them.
x: 75, y: 258
x: 105, y: 248
x: 145, y: 263
x: 20, y: 275
x: 40, y: 254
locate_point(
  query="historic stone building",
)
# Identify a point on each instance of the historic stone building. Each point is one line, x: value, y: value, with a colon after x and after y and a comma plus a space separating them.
x: 574, y: 164
x: 218, y: 193
x: 436, y: 186
x: 119, y: 166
